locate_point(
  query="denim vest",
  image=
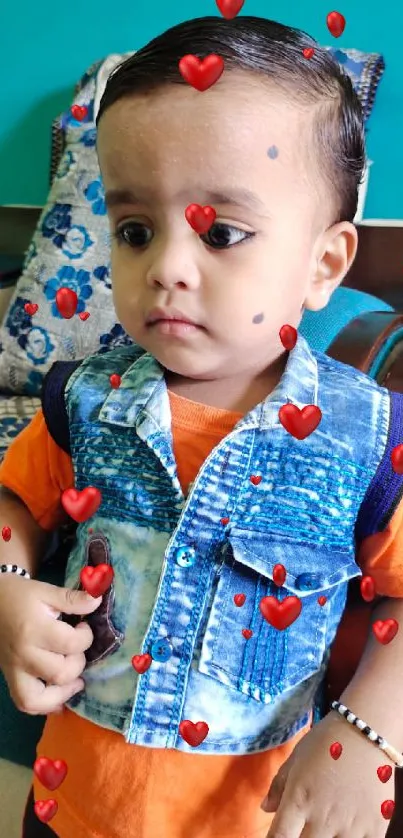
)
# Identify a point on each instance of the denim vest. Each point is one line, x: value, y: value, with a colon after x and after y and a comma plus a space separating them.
x: 179, y: 561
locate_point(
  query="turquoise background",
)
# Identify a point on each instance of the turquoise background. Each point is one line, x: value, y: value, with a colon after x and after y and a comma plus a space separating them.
x: 46, y: 46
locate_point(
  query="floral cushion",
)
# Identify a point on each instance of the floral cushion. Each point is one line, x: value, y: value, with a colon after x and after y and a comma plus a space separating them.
x: 71, y: 244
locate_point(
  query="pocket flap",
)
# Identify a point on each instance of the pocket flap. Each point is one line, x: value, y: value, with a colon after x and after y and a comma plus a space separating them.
x: 309, y: 567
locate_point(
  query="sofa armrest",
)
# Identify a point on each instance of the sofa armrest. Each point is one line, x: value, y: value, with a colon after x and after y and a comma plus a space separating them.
x: 373, y: 343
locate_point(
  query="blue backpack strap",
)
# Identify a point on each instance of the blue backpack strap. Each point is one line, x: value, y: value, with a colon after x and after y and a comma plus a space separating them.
x: 385, y: 491
x: 53, y: 404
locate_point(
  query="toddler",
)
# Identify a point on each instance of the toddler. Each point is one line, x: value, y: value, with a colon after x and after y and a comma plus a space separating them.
x: 184, y: 695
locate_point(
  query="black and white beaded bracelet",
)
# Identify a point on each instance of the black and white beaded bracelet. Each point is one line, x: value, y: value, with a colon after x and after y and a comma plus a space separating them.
x: 391, y: 752
x: 13, y: 568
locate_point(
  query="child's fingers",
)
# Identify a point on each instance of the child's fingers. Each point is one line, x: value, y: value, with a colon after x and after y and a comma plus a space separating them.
x: 56, y: 669
x: 35, y: 698
x: 289, y: 821
x: 59, y: 637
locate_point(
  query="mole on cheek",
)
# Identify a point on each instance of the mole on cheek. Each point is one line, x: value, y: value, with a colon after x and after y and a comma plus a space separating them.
x: 258, y: 318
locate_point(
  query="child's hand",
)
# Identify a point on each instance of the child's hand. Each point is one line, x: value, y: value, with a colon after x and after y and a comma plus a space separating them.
x: 36, y: 647
x: 315, y: 796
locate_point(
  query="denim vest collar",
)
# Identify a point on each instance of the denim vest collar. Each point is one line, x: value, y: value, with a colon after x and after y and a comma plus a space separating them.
x: 142, y: 397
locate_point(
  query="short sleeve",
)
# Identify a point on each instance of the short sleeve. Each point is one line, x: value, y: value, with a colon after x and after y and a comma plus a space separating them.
x: 37, y: 470
x: 381, y: 556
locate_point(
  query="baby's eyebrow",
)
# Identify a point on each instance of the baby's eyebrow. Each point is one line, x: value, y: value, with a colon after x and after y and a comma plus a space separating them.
x: 236, y: 197
x: 116, y: 197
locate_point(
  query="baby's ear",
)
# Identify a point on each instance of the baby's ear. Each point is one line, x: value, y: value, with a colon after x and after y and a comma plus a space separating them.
x: 335, y: 252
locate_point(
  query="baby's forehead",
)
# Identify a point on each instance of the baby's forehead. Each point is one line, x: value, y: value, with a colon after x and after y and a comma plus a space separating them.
x: 241, y: 122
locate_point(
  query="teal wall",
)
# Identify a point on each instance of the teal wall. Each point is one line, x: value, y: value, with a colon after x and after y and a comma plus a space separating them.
x: 46, y: 46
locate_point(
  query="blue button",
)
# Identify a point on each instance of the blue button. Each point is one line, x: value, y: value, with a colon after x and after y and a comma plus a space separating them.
x: 161, y: 650
x: 185, y: 556
x: 309, y: 581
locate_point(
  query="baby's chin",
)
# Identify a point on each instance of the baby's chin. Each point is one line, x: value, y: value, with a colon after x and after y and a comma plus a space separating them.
x: 196, y: 368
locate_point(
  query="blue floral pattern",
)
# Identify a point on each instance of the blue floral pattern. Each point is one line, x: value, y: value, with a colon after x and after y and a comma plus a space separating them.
x: 56, y: 223
x: 37, y: 345
x: 65, y: 165
x: 67, y: 277
x: 116, y: 337
x: 95, y: 194
x: 89, y: 138
x: 103, y: 273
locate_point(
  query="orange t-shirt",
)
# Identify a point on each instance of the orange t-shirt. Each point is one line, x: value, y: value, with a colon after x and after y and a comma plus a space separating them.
x: 116, y: 790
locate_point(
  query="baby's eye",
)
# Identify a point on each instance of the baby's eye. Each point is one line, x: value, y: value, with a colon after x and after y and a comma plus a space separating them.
x: 220, y: 236
x: 134, y: 234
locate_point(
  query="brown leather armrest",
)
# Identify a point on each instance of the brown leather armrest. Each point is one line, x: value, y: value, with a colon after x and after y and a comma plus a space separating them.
x: 359, y: 343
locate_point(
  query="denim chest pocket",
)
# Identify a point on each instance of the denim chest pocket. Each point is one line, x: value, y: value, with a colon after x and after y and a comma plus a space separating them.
x: 272, y: 659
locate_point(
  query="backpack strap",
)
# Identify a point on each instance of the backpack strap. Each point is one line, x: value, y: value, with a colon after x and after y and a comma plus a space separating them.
x: 53, y: 403
x: 386, y: 488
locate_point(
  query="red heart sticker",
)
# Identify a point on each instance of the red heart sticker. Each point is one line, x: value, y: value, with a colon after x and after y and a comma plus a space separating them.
x: 288, y: 336
x: 193, y: 734
x: 224, y: 521
x: 308, y: 52
x: 385, y: 630
x: 387, y: 809
x: 45, y: 810
x: 200, y: 218
x: 255, y: 479
x: 81, y: 505
x: 84, y: 315
x: 280, y: 615
x: 247, y: 633
x: 201, y: 73
x: 384, y: 773
x: 115, y: 380
x: 141, y: 663
x: 31, y: 308
x: 367, y: 588
x: 239, y: 600
x: 336, y: 24
x: 300, y: 423
x: 79, y: 112
x: 6, y: 533
x: 96, y: 580
x: 279, y: 574
x: 397, y: 458
x: 336, y: 750
x: 230, y: 8
x: 322, y: 600
x: 50, y: 772
x: 66, y: 302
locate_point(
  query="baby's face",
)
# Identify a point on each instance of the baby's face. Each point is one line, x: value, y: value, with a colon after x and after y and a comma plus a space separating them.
x: 239, y: 148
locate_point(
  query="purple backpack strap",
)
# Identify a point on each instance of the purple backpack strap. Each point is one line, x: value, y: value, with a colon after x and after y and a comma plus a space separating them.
x: 53, y: 404
x: 385, y: 491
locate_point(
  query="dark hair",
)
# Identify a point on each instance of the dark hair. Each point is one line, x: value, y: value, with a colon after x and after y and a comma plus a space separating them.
x: 274, y: 51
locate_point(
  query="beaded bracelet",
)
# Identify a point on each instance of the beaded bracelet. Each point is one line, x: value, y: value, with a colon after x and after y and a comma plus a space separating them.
x: 369, y: 732
x: 13, y: 568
